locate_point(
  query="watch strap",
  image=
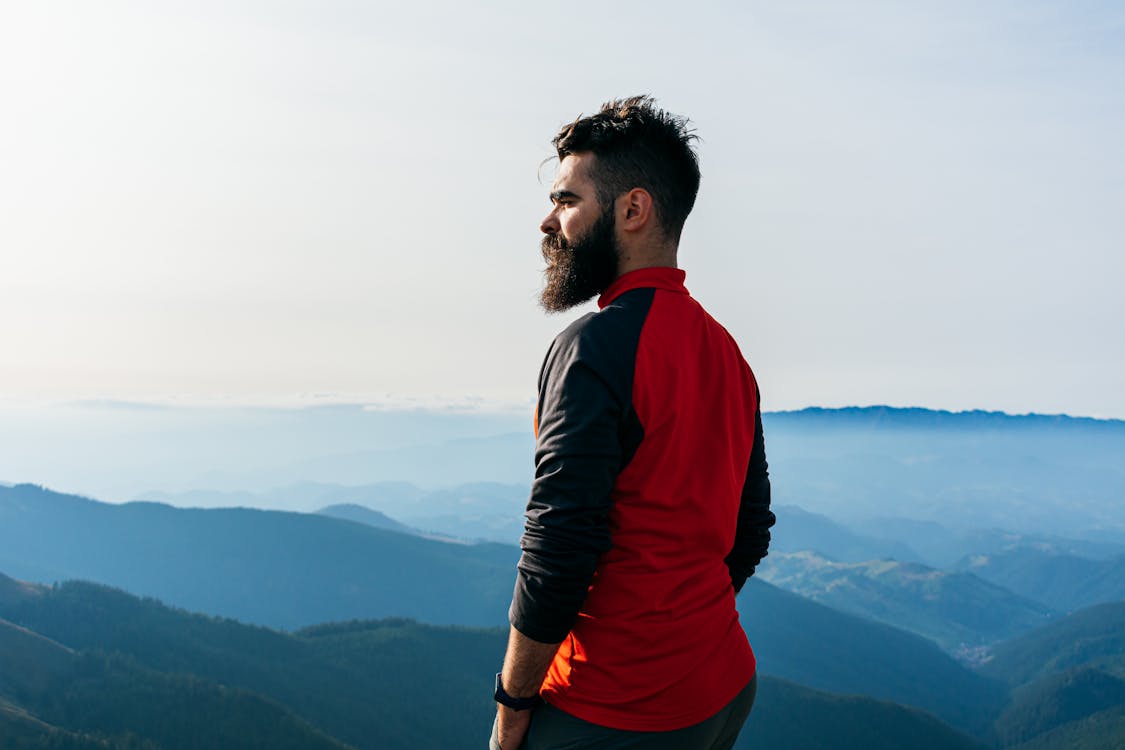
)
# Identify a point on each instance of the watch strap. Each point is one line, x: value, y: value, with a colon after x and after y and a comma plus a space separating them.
x: 516, y: 704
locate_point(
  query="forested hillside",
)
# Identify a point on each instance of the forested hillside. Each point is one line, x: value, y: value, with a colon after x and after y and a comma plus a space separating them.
x: 1068, y: 682
x: 285, y: 570
x: 86, y: 666
x: 120, y: 672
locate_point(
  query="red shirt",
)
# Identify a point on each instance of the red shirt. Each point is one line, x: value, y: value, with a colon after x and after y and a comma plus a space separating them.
x: 648, y: 416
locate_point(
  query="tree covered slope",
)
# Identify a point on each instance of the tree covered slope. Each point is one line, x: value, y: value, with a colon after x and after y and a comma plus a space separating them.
x: 123, y: 672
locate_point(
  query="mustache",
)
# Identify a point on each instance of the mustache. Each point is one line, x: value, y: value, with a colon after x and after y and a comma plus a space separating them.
x: 553, y: 246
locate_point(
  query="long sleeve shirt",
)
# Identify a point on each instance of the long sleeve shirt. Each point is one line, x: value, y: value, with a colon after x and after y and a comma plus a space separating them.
x: 649, y: 509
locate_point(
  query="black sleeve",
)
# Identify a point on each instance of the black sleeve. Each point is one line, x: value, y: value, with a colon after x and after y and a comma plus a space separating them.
x: 752, y: 538
x: 584, y: 393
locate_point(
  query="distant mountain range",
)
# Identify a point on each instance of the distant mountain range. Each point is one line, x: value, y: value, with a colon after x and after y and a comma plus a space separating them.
x: 799, y: 530
x: 489, y: 511
x: 957, y: 610
x: 1062, y: 581
x: 365, y: 515
x: 1047, y: 475
x: 49, y: 537
x: 485, y: 511
x: 970, y: 470
x: 116, y: 451
x: 911, y: 418
x: 293, y: 570
x: 889, y: 475
x: 898, y: 531
x: 938, y: 545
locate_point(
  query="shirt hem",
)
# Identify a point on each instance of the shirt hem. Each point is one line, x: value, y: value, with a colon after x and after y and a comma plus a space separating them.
x: 629, y: 722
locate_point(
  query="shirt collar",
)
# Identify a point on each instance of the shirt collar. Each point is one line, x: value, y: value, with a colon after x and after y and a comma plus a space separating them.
x: 655, y: 277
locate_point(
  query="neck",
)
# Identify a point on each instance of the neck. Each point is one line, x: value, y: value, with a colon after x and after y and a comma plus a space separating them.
x: 646, y: 257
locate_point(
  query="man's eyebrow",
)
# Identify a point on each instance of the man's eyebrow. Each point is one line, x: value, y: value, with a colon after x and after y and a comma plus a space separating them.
x: 558, y: 195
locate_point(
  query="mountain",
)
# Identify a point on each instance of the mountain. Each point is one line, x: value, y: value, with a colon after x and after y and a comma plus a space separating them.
x: 82, y: 698
x: 385, y: 684
x: 1030, y: 474
x: 879, y: 417
x: 19, y: 730
x: 1069, y: 683
x: 823, y: 648
x: 1057, y: 700
x: 941, y: 547
x: 116, y: 450
x: 422, y: 679
x: 481, y: 510
x: 280, y: 569
x: 799, y: 530
x: 485, y: 511
x: 1093, y: 637
x: 957, y: 610
x: 494, y: 458
x: 1104, y: 730
x: 303, y: 497
x: 363, y: 514
x: 786, y: 715
x: 29, y: 661
x: 291, y: 570
x: 1061, y: 581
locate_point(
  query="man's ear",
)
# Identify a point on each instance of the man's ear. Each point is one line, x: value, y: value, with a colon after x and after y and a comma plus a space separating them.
x: 635, y: 210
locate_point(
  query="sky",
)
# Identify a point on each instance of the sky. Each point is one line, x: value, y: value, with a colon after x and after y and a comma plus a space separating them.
x: 916, y: 204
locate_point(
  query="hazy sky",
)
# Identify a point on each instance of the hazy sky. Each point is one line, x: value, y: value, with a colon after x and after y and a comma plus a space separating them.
x: 916, y: 203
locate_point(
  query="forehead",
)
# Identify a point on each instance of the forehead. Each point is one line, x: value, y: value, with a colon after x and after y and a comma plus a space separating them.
x: 574, y: 173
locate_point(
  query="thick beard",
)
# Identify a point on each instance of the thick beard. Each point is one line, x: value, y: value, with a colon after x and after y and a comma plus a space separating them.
x: 579, y: 270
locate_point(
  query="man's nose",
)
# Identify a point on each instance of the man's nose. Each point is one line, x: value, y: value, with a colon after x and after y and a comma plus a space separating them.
x: 550, y: 224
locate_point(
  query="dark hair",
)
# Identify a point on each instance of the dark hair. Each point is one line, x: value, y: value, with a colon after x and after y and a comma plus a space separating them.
x: 639, y: 145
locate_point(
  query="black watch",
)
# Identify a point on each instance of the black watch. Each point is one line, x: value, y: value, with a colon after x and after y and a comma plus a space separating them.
x: 516, y: 704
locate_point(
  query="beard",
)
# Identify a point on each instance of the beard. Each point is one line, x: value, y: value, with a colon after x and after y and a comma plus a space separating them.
x: 579, y: 270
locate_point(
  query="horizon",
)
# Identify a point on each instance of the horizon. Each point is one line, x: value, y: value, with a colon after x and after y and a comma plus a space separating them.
x: 466, y: 405
x: 118, y: 452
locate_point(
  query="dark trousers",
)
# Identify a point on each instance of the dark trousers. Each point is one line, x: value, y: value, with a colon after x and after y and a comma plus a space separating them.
x: 554, y: 729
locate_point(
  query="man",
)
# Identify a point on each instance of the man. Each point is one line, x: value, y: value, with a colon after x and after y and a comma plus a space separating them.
x: 650, y: 506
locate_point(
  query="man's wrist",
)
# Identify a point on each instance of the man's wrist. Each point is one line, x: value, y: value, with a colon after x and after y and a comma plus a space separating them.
x: 516, y: 703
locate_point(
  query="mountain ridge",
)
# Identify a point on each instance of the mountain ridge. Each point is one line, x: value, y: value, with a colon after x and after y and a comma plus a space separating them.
x: 291, y: 570
x: 958, y: 610
x: 920, y: 415
x: 432, y: 684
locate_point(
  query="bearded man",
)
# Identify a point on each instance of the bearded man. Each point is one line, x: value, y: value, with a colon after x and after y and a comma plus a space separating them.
x: 650, y: 505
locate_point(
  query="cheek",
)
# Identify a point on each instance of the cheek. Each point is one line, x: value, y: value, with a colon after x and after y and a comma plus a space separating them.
x: 570, y: 224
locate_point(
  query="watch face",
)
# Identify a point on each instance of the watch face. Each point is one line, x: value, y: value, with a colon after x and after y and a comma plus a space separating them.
x: 498, y: 693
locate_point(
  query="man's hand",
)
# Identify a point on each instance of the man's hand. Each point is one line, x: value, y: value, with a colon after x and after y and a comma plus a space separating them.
x: 511, y: 727
x: 525, y: 664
